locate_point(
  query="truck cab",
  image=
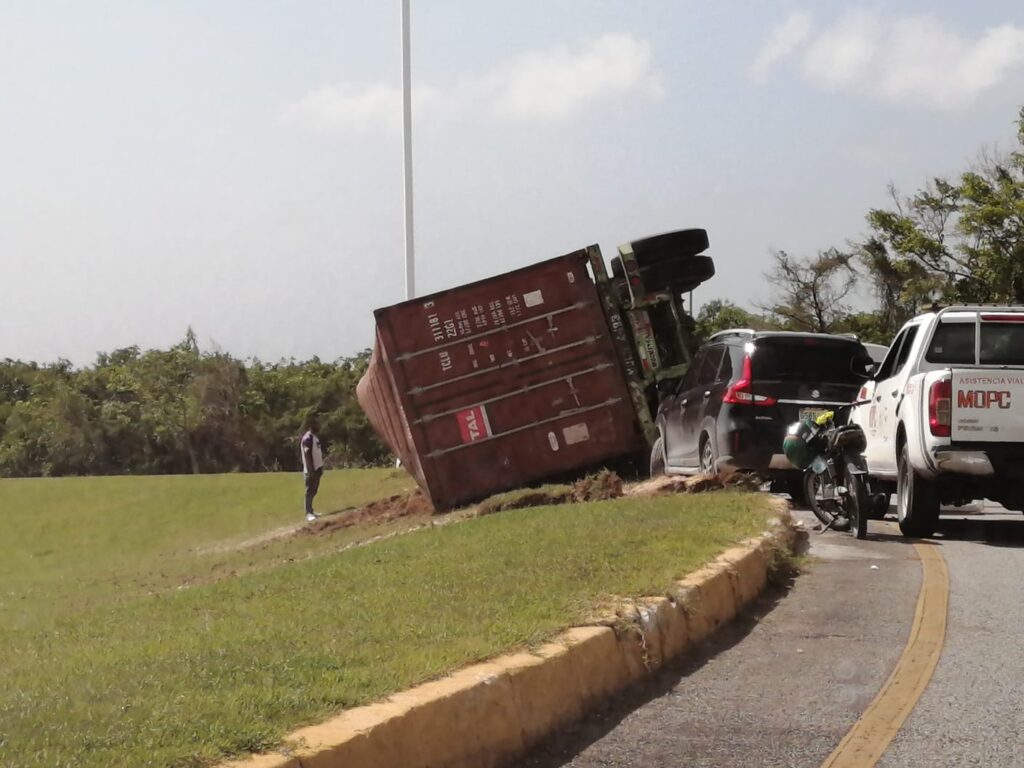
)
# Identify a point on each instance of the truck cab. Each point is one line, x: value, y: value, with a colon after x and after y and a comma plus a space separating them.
x: 944, y: 413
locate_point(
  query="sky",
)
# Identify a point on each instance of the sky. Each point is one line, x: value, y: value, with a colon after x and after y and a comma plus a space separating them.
x: 235, y: 166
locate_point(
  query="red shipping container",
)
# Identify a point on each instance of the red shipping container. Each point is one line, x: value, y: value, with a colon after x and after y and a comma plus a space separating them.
x: 500, y: 383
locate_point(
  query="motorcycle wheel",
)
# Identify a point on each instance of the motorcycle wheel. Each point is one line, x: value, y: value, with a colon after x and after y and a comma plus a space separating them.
x: 818, y: 490
x: 858, y: 502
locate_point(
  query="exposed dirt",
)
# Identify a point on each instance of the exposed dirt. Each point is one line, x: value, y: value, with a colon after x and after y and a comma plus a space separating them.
x: 695, y: 484
x: 267, y: 537
x: 539, y: 498
x: 383, y: 511
x: 597, y: 487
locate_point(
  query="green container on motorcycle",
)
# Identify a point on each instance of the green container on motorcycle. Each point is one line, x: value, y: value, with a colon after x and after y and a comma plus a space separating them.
x: 797, y: 445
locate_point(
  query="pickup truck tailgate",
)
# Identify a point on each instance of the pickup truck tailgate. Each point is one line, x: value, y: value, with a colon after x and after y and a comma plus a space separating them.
x: 987, y: 406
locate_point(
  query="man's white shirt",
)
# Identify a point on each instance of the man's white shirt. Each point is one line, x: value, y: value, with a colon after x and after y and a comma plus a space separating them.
x: 311, y: 441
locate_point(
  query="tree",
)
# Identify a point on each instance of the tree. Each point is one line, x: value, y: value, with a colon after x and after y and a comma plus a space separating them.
x: 810, y: 293
x: 720, y: 314
x: 901, y: 287
x: 178, y: 410
x: 963, y: 239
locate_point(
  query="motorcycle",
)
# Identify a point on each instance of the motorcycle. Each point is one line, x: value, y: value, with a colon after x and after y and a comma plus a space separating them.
x: 835, y: 479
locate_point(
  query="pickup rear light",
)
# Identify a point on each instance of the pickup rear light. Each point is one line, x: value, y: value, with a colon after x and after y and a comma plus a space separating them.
x: 940, y: 408
x: 740, y: 392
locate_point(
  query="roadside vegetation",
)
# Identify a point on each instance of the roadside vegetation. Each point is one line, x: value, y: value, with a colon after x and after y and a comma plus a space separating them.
x: 144, y: 628
x: 177, y: 411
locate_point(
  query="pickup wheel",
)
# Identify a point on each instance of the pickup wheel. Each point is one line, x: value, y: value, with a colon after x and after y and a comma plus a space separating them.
x: 917, y: 503
x: 658, y: 457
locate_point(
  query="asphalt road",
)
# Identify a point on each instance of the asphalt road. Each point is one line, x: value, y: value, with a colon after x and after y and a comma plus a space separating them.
x: 783, y: 685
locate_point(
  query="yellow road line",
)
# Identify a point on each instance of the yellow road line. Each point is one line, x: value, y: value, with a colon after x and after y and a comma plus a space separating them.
x: 870, y: 736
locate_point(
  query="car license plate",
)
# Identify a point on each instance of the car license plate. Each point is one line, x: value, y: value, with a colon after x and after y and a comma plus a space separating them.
x: 810, y: 414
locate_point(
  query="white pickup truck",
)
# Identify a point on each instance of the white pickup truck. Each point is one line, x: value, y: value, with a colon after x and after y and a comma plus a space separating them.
x: 944, y: 415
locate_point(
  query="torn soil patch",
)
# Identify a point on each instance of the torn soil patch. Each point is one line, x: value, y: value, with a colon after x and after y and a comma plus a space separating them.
x: 599, y: 486
x: 693, y: 484
x: 383, y: 511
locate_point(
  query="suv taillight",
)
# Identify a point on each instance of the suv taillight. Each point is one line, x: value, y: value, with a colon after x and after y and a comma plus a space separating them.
x: 739, y: 392
x: 940, y: 407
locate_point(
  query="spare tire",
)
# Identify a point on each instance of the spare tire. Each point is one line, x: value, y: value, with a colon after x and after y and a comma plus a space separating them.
x: 670, y: 246
x: 679, y: 275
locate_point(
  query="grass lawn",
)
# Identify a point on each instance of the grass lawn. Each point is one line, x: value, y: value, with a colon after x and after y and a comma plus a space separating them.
x: 109, y: 661
x: 69, y: 544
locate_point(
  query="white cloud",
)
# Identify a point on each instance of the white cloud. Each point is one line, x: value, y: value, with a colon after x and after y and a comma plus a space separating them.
x: 544, y: 85
x: 785, y: 37
x: 346, y: 107
x: 906, y: 59
x: 842, y: 54
x: 558, y: 84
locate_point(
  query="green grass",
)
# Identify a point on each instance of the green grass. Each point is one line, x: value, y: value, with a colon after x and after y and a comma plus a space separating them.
x: 168, y: 676
x: 68, y: 544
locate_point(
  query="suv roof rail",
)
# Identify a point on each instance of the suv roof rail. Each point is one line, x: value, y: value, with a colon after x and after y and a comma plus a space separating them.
x: 732, y: 332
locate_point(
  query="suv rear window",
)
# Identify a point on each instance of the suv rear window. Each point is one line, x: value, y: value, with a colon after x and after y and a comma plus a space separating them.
x: 824, y: 361
x: 1001, y: 344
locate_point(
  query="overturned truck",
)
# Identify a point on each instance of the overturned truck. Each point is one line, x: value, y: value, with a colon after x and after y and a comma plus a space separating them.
x: 536, y: 373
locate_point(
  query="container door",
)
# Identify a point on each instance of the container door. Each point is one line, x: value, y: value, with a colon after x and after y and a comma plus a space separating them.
x: 499, y: 383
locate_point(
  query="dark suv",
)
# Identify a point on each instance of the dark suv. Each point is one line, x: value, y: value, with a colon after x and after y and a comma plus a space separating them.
x: 744, y: 388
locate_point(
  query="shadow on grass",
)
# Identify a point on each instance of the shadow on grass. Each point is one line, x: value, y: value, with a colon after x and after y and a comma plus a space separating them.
x: 571, y: 741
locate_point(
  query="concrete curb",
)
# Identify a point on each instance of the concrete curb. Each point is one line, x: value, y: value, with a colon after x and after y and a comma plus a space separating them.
x: 488, y: 713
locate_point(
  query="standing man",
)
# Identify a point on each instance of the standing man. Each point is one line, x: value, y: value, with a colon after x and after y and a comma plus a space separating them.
x: 312, y: 465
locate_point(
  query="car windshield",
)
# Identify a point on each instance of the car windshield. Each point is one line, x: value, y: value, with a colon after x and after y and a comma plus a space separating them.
x: 1001, y: 344
x: 828, y: 361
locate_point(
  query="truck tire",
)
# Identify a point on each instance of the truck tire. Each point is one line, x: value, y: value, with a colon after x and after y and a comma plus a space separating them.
x: 658, y: 457
x: 669, y: 246
x: 917, y: 503
x: 678, y: 276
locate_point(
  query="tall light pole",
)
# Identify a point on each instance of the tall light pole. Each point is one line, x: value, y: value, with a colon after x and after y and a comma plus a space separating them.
x: 410, y: 267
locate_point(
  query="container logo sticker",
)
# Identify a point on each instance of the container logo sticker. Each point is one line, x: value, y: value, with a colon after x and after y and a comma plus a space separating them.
x: 473, y: 424
x: 577, y: 433
x: 533, y: 298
